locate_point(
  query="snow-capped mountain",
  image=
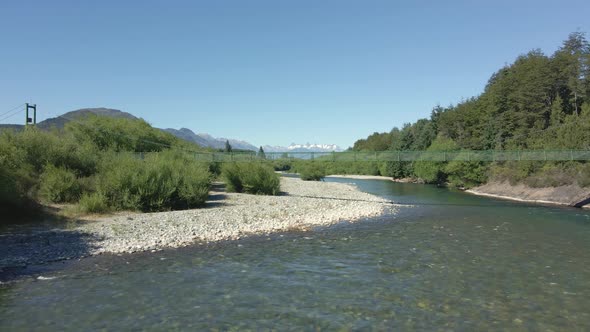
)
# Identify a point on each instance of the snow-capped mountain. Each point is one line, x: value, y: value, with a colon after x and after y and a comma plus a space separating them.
x: 303, y: 148
x: 314, y: 147
x: 207, y: 140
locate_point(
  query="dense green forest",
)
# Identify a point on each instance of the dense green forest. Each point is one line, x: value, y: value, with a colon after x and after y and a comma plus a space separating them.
x: 537, y: 102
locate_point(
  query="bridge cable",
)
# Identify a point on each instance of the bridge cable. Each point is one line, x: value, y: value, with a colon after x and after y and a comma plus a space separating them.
x: 12, y: 109
x: 11, y: 115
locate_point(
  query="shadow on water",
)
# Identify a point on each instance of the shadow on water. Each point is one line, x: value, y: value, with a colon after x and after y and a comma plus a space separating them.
x: 31, y: 240
x: 28, y: 240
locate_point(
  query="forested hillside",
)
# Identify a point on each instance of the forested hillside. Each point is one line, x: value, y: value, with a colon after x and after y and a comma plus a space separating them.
x: 537, y: 102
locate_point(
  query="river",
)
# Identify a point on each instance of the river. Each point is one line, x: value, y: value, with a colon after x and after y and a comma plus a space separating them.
x: 447, y: 261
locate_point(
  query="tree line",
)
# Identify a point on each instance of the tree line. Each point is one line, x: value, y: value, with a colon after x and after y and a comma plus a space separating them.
x: 537, y: 102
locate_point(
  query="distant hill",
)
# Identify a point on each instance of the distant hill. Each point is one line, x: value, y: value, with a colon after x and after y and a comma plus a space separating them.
x: 60, y: 121
x: 188, y: 135
x: 204, y: 140
x: 207, y: 140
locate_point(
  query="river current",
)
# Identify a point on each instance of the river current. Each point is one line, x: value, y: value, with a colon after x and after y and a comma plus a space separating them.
x: 447, y: 261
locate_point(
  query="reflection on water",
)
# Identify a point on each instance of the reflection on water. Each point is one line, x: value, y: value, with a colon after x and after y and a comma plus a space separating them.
x: 453, y: 261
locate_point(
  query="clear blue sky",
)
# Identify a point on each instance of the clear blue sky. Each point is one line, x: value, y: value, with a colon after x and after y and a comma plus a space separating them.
x: 269, y: 72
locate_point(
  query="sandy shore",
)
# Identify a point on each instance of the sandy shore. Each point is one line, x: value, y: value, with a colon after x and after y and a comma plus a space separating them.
x: 304, y: 205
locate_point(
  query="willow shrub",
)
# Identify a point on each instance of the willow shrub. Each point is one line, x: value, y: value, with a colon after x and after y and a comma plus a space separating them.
x: 282, y: 165
x: 18, y: 179
x: 93, y: 203
x: 59, y: 185
x: 467, y: 174
x: 251, y: 178
x: 312, y: 171
x: 168, y: 180
x: 13, y: 196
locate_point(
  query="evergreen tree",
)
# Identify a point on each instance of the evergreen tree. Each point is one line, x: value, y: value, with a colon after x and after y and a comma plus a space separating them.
x: 227, y: 146
x: 557, y: 113
x: 573, y: 65
x: 261, y: 154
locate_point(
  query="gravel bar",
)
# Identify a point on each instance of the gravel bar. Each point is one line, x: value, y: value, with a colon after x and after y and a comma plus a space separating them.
x: 227, y: 216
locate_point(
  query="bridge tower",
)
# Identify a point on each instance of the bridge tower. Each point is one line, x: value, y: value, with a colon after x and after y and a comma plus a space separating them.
x: 29, y: 120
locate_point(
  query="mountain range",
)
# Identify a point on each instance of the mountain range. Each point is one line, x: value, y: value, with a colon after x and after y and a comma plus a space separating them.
x: 204, y: 140
x: 207, y: 140
x: 303, y: 148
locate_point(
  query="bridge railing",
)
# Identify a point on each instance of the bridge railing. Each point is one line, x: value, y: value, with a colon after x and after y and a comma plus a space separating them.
x: 437, y: 156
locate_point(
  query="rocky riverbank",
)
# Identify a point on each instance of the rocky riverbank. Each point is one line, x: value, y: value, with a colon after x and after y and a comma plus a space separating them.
x: 571, y: 195
x: 302, y: 206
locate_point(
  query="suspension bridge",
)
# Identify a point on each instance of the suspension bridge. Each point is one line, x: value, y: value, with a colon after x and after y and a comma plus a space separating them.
x: 352, y: 156
x: 440, y: 156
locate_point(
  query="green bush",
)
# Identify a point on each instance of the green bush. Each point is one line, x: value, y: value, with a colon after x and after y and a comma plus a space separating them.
x: 16, y: 180
x: 120, y: 134
x: 233, y: 177
x: 312, y: 171
x: 434, y: 171
x: 79, y: 163
x: 9, y: 194
x: 176, y: 175
x: 81, y: 158
x: 34, y: 149
x: 396, y: 169
x: 431, y: 171
x: 13, y: 197
x: 164, y: 181
x: 193, y: 188
x: 93, y: 203
x: 282, y: 164
x: 252, y: 178
x: 466, y: 174
x: 348, y: 167
x: 59, y: 185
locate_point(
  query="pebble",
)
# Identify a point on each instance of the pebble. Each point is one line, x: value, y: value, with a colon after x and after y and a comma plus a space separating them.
x: 306, y: 204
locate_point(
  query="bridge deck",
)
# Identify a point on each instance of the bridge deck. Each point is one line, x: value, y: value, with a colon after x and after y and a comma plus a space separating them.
x: 471, y: 155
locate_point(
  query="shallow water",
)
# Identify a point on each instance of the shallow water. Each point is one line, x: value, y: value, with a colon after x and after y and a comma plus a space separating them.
x: 451, y: 262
